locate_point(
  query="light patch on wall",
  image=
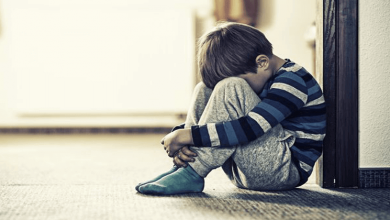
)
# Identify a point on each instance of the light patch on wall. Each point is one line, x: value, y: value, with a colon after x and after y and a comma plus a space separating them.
x: 101, y: 59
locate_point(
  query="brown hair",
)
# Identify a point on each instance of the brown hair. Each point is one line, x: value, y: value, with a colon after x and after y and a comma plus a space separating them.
x: 230, y: 49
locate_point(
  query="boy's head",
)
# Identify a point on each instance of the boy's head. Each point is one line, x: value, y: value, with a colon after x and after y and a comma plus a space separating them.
x: 230, y: 49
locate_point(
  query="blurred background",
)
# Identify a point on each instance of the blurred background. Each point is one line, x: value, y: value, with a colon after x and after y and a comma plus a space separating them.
x: 124, y: 63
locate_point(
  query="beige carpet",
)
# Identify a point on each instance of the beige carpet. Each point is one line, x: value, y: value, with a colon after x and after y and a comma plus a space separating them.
x: 93, y: 177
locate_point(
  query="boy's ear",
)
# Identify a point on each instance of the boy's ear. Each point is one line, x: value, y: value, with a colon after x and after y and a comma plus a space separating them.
x: 262, y: 61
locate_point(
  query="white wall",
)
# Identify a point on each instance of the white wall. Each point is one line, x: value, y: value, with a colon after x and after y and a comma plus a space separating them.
x: 96, y: 63
x: 284, y: 23
x: 374, y: 83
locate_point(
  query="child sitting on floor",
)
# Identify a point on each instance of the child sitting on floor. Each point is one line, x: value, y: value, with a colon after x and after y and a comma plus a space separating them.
x: 259, y: 117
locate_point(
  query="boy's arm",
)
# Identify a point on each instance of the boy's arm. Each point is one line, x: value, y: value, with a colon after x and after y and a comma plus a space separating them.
x: 287, y: 94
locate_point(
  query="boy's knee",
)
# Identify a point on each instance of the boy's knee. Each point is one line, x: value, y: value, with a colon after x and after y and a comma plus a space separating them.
x: 201, y: 88
x: 232, y: 83
x: 237, y: 92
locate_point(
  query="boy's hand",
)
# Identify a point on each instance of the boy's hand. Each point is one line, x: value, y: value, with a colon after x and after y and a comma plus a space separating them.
x: 176, y: 140
x: 183, y: 156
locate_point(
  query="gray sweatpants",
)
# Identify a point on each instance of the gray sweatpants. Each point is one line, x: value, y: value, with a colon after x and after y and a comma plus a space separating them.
x: 263, y: 164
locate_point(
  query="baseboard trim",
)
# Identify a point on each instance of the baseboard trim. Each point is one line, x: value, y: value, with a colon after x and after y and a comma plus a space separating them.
x: 94, y: 130
x: 374, y: 178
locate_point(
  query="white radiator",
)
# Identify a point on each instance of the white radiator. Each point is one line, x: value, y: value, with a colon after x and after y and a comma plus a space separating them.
x: 101, y: 58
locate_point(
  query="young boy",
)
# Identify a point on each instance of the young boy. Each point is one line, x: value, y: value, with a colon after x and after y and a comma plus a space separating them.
x: 259, y: 117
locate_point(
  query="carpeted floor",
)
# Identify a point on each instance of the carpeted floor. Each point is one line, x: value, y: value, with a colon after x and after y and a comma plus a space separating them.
x: 93, y: 177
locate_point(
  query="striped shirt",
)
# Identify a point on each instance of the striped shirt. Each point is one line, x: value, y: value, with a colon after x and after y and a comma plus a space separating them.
x: 293, y: 98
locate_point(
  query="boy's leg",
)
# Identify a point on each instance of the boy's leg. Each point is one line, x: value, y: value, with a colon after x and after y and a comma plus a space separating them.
x: 200, y: 97
x: 198, y: 103
x: 264, y: 164
x: 261, y: 164
x: 231, y: 99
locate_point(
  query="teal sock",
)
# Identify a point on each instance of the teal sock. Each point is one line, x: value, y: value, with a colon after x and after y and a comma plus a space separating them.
x: 184, y: 180
x: 174, y: 168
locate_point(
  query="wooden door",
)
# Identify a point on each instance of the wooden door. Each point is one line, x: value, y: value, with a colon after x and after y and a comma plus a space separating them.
x: 338, y: 61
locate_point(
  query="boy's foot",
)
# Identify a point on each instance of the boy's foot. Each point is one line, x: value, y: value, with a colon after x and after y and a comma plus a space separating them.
x: 184, y: 180
x: 174, y: 168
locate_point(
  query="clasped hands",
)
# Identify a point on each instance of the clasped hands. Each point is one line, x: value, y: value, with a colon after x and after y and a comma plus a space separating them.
x: 176, y: 145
